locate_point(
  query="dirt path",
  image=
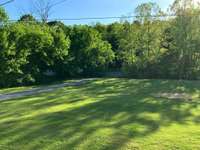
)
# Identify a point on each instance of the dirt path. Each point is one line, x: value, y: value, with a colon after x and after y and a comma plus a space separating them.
x: 39, y: 90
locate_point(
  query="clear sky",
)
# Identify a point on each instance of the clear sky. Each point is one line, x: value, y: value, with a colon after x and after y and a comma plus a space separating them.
x: 84, y: 8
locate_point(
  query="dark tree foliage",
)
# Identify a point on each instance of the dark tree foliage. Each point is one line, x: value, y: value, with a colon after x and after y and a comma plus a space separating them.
x: 28, y: 50
x: 3, y: 15
x: 27, y: 18
x: 88, y: 53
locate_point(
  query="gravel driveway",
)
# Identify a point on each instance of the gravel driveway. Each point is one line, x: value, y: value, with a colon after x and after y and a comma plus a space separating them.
x: 39, y: 90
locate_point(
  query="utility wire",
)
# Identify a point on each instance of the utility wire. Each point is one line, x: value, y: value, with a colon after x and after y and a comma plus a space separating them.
x: 102, y: 18
x: 93, y: 18
x: 2, y: 4
x: 106, y: 18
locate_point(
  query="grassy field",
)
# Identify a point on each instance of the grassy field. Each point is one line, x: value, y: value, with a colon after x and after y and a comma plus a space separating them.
x: 105, y: 114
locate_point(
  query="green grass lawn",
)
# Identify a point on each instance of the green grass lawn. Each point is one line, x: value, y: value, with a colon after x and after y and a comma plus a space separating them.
x: 15, y: 89
x: 105, y: 114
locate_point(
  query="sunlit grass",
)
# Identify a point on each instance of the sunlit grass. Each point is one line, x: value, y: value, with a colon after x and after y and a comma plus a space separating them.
x: 15, y: 89
x: 105, y: 114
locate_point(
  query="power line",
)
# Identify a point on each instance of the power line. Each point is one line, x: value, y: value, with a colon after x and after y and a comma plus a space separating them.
x: 102, y: 18
x: 2, y: 4
x: 93, y: 18
x: 90, y: 18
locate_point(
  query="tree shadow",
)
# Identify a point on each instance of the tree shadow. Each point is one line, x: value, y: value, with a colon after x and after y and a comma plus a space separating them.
x: 123, y: 107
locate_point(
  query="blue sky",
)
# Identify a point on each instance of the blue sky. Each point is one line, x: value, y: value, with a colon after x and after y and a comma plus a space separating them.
x: 84, y: 8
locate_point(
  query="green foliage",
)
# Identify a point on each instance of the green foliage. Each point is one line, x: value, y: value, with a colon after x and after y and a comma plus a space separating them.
x: 150, y: 47
x: 3, y: 15
x: 141, y: 46
x: 28, y: 50
x: 11, y: 57
x: 154, y: 48
x: 88, y: 52
x: 185, y: 29
x: 27, y: 18
x: 148, y: 12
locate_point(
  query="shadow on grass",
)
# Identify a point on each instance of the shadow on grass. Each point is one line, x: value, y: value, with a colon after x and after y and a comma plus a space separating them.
x: 123, y: 107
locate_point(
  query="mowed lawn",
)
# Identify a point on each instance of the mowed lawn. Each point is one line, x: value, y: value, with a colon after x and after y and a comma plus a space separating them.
x: 104, y: 114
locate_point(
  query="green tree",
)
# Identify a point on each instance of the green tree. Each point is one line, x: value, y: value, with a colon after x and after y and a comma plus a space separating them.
x: 12, y: 58
x: 27, y: 18
x: 28, y: 50
x: 142, y: 39
x: 3, y: 15
x: 185, y: 30
x: 88, y: 52
x: 47, y: 46
x: 148, y: 12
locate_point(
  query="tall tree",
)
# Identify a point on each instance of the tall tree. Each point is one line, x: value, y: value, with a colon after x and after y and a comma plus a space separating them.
x: 88, y: 51
x: 148, y: 12
x: 3, y: 15
x: 43, y: 8
x: 186, y: 37
x: 28, y: 50
x: 142, y: 39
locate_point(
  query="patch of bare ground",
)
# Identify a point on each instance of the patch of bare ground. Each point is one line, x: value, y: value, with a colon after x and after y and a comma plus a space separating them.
x: 174, y: 96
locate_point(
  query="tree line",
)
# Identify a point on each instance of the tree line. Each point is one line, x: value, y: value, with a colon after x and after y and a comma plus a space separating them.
x: 152, y: 46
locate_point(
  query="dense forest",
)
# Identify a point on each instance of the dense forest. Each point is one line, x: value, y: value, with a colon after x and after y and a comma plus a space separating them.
x: 154, y: 45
